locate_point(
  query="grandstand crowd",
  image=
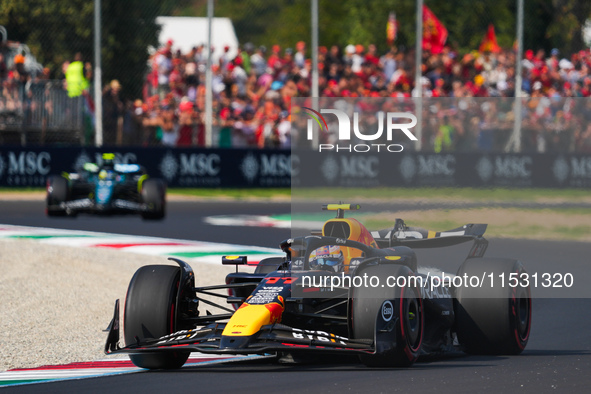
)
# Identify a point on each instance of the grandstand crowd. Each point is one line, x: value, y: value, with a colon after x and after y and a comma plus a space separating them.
x: 252, y: 92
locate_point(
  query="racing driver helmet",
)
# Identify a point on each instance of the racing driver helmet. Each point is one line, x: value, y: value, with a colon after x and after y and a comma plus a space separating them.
x: 108, y: 161
x: 327, y: 258
x: 108, y: 167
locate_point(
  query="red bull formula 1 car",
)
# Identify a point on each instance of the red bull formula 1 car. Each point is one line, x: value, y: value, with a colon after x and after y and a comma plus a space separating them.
x: 342, y: 291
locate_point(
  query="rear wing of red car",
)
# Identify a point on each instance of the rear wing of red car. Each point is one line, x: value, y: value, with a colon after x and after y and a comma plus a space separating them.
x: 416, y: 237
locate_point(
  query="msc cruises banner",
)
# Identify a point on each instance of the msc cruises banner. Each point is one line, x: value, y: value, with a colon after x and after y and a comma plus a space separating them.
x: 440, y: 170
x: 211, y: 168
x: 245, y: 168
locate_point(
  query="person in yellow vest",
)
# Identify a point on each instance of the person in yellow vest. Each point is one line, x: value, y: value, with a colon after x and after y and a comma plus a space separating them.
x: 444, y: 138
x: 76, y: 82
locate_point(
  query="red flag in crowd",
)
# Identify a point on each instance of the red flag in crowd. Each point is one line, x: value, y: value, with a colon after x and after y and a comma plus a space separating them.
x: 391, y: 28
x: 434, y: 33
x: 489, y: 42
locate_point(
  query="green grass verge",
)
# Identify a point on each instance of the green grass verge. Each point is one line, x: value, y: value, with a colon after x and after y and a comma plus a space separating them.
x: 358, y: 195
x: 549, y: 224
x: 451, y: 193
x: 21, y: 189
x: 236, y: 194
x: 533, y: 223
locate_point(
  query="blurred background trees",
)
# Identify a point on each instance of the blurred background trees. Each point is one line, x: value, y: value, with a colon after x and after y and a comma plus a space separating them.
x: 548, y: 23
x: 55, y: 30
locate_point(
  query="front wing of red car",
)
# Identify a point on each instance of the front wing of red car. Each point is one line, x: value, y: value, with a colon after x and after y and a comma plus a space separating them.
x: 270, y: 338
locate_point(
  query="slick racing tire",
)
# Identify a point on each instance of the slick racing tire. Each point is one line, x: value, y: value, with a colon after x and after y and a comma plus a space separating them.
x: 493, y: 319
x: 408, y: 316
x: 57, y: 192
x: 150, y: 314
x: 154, y: 196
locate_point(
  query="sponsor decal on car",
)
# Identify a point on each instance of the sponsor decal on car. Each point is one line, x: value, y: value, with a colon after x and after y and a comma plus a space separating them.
x: 387, y: 310
x: 318, y: 335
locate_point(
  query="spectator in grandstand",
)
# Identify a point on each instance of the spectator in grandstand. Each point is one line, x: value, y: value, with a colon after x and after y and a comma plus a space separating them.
x: 20, y: 73
x: 164, y: 66
x: 76, y: 78
x: 274, y: 60
x: 133, y: 122
x: 334, y: 57
x: 168, y: 122
x: 583, y: 140
x: 245, y: 55
x: 224, y: 59
x: 191, y: 79
x: 444, y: 137
x: 388, y: 64
x: 188, y: 123
x: 258, y: 61
x: 113, y: 109
x: 357, y: 58
x: 3, y: 67
x: 152, y: 132
x: 284, y: 130
x: 9, y: 97
x: 300, y: 55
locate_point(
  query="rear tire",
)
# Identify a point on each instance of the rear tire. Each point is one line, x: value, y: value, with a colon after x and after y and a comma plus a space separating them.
x: 154, y: 196
x: 149, y: 314
x: 493, y: 320
x: 408, y: 311
x: 57, y: 193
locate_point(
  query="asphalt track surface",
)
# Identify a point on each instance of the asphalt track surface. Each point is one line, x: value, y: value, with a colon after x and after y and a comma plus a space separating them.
x: 184, y: 220
x: 557, y: 358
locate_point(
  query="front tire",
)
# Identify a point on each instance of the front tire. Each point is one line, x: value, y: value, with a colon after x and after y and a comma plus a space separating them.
x: 408, y: 312
x: 493, y: 320
x: 150, y: 314
x: 57, y: 193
